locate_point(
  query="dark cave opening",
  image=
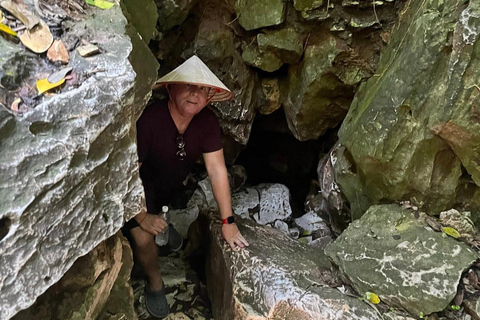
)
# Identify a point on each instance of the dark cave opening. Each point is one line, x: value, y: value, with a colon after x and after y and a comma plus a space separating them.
x: 274, y: 155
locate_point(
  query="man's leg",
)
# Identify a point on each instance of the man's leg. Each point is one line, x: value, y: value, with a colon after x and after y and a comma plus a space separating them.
x: 146, y: 252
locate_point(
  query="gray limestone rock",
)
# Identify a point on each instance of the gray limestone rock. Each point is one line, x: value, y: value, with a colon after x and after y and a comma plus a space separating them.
x: 183, y: 218
x: 276, y: 277
x: 69, y: 174
x: 246, y: 202
x: 274, y: 203
x: 391, y: 251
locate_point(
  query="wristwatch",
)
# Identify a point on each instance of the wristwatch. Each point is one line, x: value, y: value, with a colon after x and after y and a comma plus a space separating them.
x: 228, y: 220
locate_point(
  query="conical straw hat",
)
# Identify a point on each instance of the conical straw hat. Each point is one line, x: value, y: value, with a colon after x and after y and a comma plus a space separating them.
x: 194, y: 71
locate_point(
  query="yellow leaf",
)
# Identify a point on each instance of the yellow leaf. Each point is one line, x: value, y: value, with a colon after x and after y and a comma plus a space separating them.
x: 2, y: 18
x: 372, y: 297
x: 44, y: 85
x: 451, y: 232
x: 7, y: 29
x: 102, y: 4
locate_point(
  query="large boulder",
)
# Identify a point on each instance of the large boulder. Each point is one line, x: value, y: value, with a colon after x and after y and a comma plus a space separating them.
x: 69, y: 174
x: 392, y: 252
x: 414, y: 125
x: 276, y: 277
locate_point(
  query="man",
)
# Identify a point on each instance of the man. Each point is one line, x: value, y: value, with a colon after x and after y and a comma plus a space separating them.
x: 171, y: 136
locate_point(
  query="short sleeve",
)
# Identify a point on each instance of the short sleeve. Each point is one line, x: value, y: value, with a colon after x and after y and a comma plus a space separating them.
x: 212, y: 133
x: 144, y: 136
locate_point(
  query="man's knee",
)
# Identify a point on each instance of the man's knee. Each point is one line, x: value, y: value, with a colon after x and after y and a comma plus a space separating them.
x: 142, y: 238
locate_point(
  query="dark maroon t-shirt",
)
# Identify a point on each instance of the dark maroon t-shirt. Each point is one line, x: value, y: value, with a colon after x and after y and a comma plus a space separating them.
x: 162, y: 170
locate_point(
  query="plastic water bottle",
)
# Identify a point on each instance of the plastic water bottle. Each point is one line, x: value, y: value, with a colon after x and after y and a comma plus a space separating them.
x: 162, y: 238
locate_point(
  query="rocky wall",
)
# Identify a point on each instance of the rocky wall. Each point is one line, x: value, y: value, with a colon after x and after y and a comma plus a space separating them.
x: 68, y: 164
x: 307, y: 57
x: 412, y: 131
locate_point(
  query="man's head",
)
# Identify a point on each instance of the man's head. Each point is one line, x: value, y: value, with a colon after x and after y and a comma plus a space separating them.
x: 189, y: 99
x: 195, y: 72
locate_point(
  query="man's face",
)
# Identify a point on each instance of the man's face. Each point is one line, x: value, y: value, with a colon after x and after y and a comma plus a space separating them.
x: 190, y: 99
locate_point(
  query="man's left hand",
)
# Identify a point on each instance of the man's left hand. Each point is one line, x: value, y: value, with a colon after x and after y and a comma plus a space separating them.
x: 234, y: 238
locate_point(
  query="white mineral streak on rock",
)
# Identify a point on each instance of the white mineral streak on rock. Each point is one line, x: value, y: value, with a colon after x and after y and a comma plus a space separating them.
x: 470, y: 30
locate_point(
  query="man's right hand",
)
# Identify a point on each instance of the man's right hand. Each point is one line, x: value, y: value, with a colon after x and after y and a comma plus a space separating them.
x: 153, y: 224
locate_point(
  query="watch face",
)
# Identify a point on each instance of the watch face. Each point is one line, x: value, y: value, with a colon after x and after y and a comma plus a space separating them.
x: 231, y: 220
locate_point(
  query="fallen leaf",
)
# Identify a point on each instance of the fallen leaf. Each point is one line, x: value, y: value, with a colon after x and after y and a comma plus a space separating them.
x: 39, y: 39
x: 7, y: 29
x: 372, y: 297
x: 2, y: 18
x: 15, y: 104
x: 88, y: 50
x: 451, y: 232
x: 44, y: 85
x: 59, y: 75
x: 19, y: 11
x: 102, y: 4
x: 58, y: 52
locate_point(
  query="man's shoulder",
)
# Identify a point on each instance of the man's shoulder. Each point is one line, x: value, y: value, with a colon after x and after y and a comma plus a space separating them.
x: 154, y: 111
x: 207, y: 113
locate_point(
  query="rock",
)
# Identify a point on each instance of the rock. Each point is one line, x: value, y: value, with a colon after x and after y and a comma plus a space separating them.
x: 75, y: 164
x: 267, y: 60
x: 258, y: 14
x: 215, y: 43
x: 472, y: 307
x: 460, y: 221
x: 145, y: 20
x: 237, y: 176
x: 307, y: 5
x: 270, y: 93
x: 99, y: 277
x: 172, y: 13
x: 285, y: 43
x: 316, y: 99
x: 246, y: 202
x: 394, y: 316
x: 183, y: 218
x: 294, y: 233
x: 311, y: 223
x: 281, y: 225
x: 276, y: 277
x: 392, y: 252
x: 417, y: 118
x: 274, y: 203
x: 334, y: 205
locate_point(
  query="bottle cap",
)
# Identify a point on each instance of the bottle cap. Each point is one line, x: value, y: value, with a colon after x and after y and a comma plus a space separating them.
x: 165, y: 209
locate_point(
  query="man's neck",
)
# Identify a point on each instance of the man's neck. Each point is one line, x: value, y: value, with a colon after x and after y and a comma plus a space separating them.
x: 181, y: 122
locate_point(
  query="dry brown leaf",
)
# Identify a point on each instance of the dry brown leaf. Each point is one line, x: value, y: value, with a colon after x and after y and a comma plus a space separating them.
x: 88, y: 50
x: 28, y: 18
x: 58, y: 52
x: 39, y: 39
x: 15, y: 104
